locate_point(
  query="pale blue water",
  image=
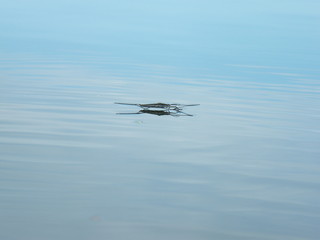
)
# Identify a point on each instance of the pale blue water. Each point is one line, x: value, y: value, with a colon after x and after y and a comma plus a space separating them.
x: 244, y: 166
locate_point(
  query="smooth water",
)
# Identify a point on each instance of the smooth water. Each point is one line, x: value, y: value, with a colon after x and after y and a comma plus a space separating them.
x: 243, y: 165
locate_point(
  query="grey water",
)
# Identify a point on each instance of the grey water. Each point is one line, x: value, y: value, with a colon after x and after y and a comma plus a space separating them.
x: 244, y: 164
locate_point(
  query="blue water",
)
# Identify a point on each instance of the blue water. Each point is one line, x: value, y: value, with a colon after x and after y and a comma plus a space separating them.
x: 244, y: 164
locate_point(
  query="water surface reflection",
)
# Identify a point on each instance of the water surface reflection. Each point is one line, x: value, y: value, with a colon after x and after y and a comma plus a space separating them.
x: 246, y: 167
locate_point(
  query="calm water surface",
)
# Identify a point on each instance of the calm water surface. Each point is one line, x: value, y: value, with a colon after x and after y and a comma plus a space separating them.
x: 245, y: 165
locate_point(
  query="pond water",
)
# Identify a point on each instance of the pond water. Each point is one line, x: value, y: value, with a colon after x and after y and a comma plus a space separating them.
x: 244, y: 164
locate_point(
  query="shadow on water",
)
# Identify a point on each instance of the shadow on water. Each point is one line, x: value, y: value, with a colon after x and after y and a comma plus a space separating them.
x: 160, y: 113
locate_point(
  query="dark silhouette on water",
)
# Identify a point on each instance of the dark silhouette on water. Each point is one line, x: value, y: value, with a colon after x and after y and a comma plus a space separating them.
x: 173, y: 106
x: 160, y: 113
x: 161, y: 109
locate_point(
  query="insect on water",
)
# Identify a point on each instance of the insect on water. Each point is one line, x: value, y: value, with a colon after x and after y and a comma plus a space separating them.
x: 161, y: 108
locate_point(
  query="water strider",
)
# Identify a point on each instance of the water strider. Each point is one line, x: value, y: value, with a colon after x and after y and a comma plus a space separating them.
x: 161, y: 109
x: 166, y: 106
